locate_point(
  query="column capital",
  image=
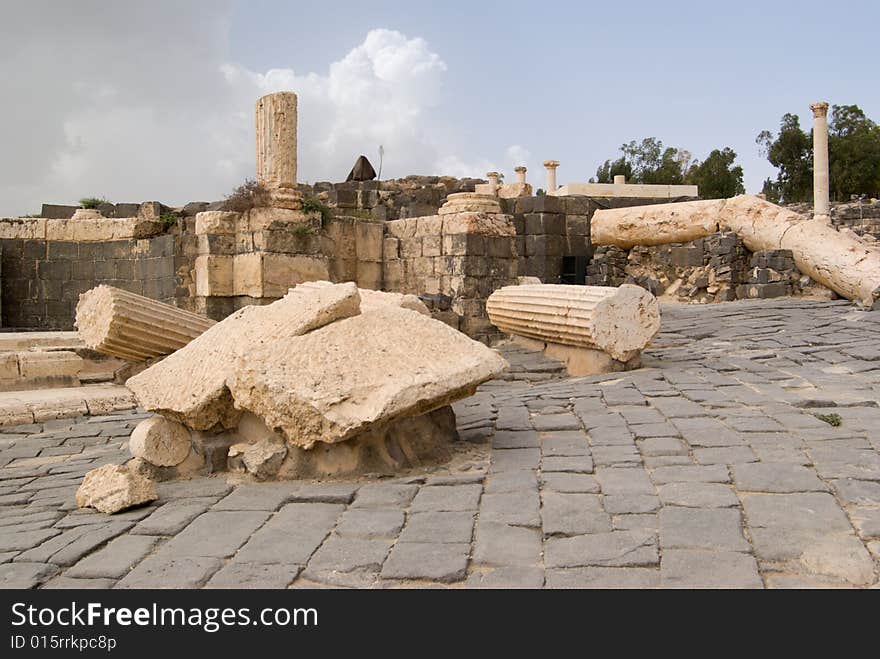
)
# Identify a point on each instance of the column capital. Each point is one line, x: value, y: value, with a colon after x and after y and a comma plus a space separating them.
x: 551, y: 164
x: 492, y: 174
x: 820, y: 109
x: 520, y: 168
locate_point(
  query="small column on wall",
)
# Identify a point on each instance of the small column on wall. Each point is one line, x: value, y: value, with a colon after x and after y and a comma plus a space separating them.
x: 551, y: 166
x: 276, y: 119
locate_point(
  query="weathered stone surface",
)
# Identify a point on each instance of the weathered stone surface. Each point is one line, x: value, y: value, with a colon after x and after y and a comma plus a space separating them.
x: 262, y: 459
x: 619, y: 321
x: 160, y: 441
x: 190, y: 385
x: 134, y: 327
x: 690, y: 568
x: 112, y: 488
x: 615, y: 549
x: 371, y: 299
x: 375, y: 367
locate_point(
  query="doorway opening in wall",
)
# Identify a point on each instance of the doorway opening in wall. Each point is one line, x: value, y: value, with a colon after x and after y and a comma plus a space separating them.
x: 574, y: 270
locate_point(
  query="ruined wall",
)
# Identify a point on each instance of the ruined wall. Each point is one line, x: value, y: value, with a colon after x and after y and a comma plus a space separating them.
x: 42, y: 279
x: 454, y: 272
x: 863, y: 217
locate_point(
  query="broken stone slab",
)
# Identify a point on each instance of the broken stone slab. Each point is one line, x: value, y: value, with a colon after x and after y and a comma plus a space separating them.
x: 189, y: 386
x: 134, y: 327
x: 112, y: 488
x: 360, y: 372
x: 160, y: 441
x: 262, y: 459
x: 619, y: 321
x: 371, y: 299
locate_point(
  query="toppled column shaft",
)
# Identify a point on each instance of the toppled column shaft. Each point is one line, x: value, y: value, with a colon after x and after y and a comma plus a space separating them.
x: 844, y: 264
x: 134, y: 327
x: 619, y: 321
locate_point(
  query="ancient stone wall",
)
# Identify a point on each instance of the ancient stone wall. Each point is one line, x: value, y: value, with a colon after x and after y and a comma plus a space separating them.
x: 863, y: 217
x: 42, y: 279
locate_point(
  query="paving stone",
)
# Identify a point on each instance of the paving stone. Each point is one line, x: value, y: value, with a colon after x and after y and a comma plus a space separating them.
x: 325, y: 493
x: 867, y: 521
x: 514, y: 459
x: 573, y: 483
x: 662, y: 446
x: 615, y: 549
x: 446, y: 562
x: 724, y: 455
x: 167, y: 571
x: 654, y: 430
x: 691, y: 474
x: 635, y: 522
x: 581, y: 464
x: 115, y: 560
x: 690, y: 568
x: 754, y: 424
x: 698, y: 495
x: 703, y: 528
x: 512, y: 481
x: 66, y: 583
x: 707, y: 433
x: 456, y: 479
x: 546, y: 422
x: 804, y: 581
x: 666, y: 461
x: 16, y: 541
x: 776, y: 477
x: 440, y: 498
x: 259, y: 496
x: 515, y: 439
x: 678, y: 407
x: 517, y: 508
x: 504, y: 545
x: 508, y: 577
x: 385, y: 495
x: 216, y: 534
x: 292, y: 535
x: 610, y: 456
x: 564, y: 443
x: 605, y: 420
x: 339, y: 554
x: 636, y: 414
x: 623, y: 504
x: 603, y: 577
x: 173, y: 517
x: 197, y: 487
x: 21, y: 576
x: 624, y: 480
x: 252, y: 575
x: 370, y: 523
x: 858, y: 492
x: 75, y: 543
x: 437, y: 527
x: 612, y: 437
x: 573, y: 514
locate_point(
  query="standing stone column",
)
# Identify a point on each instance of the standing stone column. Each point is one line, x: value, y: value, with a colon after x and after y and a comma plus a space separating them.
x: 619, y: 179
x: 551, y: 166
x: 821, y: 205
x: 493, y: 183
x: 520, y: 174
x: 276, y: 148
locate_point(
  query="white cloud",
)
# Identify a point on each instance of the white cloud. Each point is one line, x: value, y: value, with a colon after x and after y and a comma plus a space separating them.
x: 137, y: 102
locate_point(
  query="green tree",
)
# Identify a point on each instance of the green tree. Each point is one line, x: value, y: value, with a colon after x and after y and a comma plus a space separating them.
x: 716, y: 176
x: 646, y: 162
x: 853, y: 153
x: 791, y: 151
x: 608, y: 170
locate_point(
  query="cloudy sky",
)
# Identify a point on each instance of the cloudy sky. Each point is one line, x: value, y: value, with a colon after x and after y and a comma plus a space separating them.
x: 154, y: 100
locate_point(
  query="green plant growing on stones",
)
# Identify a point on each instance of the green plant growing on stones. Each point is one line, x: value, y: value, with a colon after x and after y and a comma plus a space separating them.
x: 313, y: 205
x: 248, y: 195
x: 303, y: 230
x: 168, y: 220
x: 830, y: 419
x: 92, y: 202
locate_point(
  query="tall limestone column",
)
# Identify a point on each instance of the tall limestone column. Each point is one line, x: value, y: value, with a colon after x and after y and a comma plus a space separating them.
x: 821, y: 206
x: 276, y: 148
x: 493, y: 183
x: 551, y: 166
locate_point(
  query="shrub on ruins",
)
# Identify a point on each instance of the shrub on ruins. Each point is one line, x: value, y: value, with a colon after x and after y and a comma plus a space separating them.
x: 169, y: 219
x: 314, y: 205
x: 92, y: 202
x: 853, y: 156
x: 248, y: 195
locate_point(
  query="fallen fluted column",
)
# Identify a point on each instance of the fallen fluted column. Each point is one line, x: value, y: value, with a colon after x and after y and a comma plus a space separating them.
x: 134, y: 327
x: 620, y: 321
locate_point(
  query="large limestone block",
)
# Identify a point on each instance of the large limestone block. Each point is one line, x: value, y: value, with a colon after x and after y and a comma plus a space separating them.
x: 484, y: 224
x: 358, y: 373
x: 470, y: 202
x: 620, y: 321
x: 843, y: 263
x: 190, y: 385
x: 134, y: 327
x: 112, y: 488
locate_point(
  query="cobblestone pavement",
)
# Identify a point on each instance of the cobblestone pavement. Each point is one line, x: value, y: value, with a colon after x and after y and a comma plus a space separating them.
x: 709, y: 467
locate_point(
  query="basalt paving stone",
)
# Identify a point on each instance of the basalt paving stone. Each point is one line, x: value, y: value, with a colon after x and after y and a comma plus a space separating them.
x: 657, y: 446
x: 198, y: 487
x: 67, y: 583
x: 609, y: 456
x: 639, y: 414
x: 517, y: 508
x: 635, y: 522
x: 252, y: 575
x: 696, y: 528
x: 654, y: 430
x: 625, y: 481
x: 691, y: 474
x: 573, y: 514
x: 581, y: 464
x: 446, y: 562
x: 623, y: 504
x: 384, y: 495
x: 603, y: 420
x: 440, y: 498
x: 499, y: 544
x: 339, y: 554
x: 568, y: 483
x: 259, y: 496
x: 292, y: 535
x: 325, y: 493
x: 612, y: 436
x: 509, y: 439
x: 776, y: 477
x: 22, y: 576
x: 216, y: 534
x: 507, y: 577
x: 512, y: 481
x: 115, y: 560
x: 698, y: 495
x: 565, y: 443
x: 603, y: 578
x: 436, y: 527
x: 724, y: 455
x: 366, y: 523
x: 173, y: 516
x: 163, y: 570
x: 615, y: 549
x: 514, y: 459
x: 689, y: 568
x: 543, y: 423
x: 73, y: 544
x: 865, y: 493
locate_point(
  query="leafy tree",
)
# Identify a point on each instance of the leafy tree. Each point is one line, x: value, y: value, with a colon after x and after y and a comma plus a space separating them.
x: 853, y: 154
x: 608, y: 170
x: 716, y: 176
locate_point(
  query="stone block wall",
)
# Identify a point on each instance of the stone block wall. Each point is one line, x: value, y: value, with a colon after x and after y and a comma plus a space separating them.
x: 453, y: 270
x: 43, y: 279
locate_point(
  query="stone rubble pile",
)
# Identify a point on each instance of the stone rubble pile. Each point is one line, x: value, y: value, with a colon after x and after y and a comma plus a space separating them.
x: 330, y: 380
